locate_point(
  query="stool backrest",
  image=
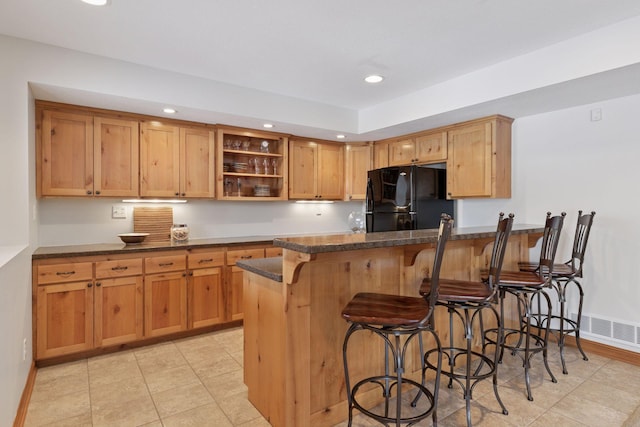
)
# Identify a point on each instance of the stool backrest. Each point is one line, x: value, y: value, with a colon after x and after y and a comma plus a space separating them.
x: 503, y: 232
x: 550, y: 239
x: 446, y: 223
x: 583, y: 228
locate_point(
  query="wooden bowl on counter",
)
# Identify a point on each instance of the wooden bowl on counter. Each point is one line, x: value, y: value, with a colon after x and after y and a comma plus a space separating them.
x: 133, y: 238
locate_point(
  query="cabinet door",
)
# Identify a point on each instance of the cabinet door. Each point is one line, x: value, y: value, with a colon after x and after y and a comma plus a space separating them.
x: 431, y: 148
x: 206, y: 303
x: 302, y: 170
x: 197, y: 178
x: 358, y: 163
x: 234, y: 281
x: 115, y: 157
x: 380, y: 155
x: 402, y: 152
x: 118, y: 310
x: 469, y: 161
x: 165, y: 300
x: 159, y: 160
x: 66, y: 162
x: 64, y: 319
x: 330, y: 171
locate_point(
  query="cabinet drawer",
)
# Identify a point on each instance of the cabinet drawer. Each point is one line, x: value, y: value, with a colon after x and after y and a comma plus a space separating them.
x: 205, y: 259
x: 160, y: 264
x: 70, y: 272
x: 118, y: 268
x: 240, y: 254
x: 273, y: 252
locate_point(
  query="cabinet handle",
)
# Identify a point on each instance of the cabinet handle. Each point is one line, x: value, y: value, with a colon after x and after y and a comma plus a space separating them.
x: 165, y: 264
x: 119, y: 268
x: 98, y: 284
x: 89, y: 285
x: 246, y: 256
x: 66, y: 273
x: 202, y: 261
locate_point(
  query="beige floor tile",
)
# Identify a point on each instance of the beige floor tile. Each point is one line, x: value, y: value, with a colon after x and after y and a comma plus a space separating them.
x: 609, y: 396
x: 588, y: 412
x: 159, y: 359
x: 171, y: 378
x: 203, y: 416
x: 118, y: 392
x: 551, y: 418
x: 180, y: 399
x: 117, y: 367
x: 131, y: 413
x: 222, y: 364
x: 521, y: 410
x: 208, y: 352
x: 57, y: 408
x: 620, y: 375
x: 238, y: 408
x: 156, y: 423
x: 225, y: 385
x: 258, y: 422
x: 83, y: 420
x: 57, y: 380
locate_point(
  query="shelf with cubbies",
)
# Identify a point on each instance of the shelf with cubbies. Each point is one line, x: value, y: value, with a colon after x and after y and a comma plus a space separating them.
x: 251, y: 165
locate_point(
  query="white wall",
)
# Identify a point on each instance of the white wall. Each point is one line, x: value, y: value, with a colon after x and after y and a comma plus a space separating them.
x: 563, y: 161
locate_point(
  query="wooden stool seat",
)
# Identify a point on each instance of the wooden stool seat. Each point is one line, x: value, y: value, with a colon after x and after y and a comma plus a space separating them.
x: 386, y: 310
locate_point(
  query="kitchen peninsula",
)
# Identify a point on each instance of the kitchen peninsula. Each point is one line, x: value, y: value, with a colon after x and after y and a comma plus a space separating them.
x: 292, y: 326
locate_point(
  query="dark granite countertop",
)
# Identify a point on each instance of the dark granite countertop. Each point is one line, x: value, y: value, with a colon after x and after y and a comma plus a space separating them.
x: 349, y: 242
x: 271, y: 268
x: 120, y: 248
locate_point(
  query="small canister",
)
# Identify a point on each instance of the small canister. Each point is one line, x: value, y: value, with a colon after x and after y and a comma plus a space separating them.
x: 179, y: 232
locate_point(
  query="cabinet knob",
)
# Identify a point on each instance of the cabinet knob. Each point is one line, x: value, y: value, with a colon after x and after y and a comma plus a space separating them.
x: 89, y: 285
x: 183, y: 194
x: 98, y: 284
x: 176, y: 193
x: 89, y: 192
x: 98, y: 192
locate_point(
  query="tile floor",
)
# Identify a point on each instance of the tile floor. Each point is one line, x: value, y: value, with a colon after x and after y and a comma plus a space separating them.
x: 198, y: 382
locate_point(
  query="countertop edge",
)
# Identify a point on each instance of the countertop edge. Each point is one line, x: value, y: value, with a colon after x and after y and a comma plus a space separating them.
x: 271, y: 268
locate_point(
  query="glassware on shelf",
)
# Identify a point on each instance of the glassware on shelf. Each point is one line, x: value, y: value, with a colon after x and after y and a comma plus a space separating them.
x: 274, y: 164
x: 265, y: 163
x: 246, y: 145
x: 236, y: 144
x: 228, y: 144
x: 256, y: 165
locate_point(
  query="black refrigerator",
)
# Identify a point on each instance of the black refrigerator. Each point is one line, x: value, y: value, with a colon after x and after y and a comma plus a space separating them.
x: 407, y: 198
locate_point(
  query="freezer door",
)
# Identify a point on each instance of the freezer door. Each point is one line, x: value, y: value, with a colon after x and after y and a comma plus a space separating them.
x: 390, y: 190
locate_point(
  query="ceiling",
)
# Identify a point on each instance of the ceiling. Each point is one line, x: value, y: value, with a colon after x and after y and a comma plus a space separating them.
x: 315, y: 50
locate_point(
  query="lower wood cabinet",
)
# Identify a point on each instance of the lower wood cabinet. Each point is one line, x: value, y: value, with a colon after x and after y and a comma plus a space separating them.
x: 88, y: 303
x: 64, y: 318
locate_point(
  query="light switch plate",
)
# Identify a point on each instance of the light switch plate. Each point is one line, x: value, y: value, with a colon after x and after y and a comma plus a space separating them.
x: 118, y: 212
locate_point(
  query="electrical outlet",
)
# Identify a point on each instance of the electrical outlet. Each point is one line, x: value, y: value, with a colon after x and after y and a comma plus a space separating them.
x: 596, y: 114
x: 24, y: 349
x: 118, y: 212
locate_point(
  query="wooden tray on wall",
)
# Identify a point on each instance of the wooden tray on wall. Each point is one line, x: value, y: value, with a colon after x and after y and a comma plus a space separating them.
x: 156, y: 221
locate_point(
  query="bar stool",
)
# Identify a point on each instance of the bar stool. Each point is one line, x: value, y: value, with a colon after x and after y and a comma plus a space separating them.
x: 466, y: 300
x: 562, y: 276
x: 392, y: 317
x: 528, y: 286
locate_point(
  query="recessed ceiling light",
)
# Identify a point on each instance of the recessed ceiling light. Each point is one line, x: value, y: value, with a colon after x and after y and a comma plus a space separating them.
x: 267, y: 125
x: 340, y: 136
x: 169, y: 110
x: 96, y: 2
x: 374, y: 78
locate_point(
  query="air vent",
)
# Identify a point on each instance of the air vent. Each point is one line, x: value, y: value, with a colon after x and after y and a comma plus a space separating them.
x: 601, y: 327
x: 624, y: 332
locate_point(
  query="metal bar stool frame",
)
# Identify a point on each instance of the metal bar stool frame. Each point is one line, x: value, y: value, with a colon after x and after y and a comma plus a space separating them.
x: 527, y: 287
x: 386, y: 317
x: 563, y: 275
x: 466, y: 301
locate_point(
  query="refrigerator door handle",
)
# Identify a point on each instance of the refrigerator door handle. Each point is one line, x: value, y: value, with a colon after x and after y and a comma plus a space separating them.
x: 369, y: 199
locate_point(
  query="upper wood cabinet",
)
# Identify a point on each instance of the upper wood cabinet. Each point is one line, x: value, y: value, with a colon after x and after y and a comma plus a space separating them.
x: 176, y: 162
x: 86, y: 155
x: 380, y: 155
x: 358, y: 161
x: 252, y: 165
x: 479, y: 159
x: 316, y: 170
x: 422, y: 148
